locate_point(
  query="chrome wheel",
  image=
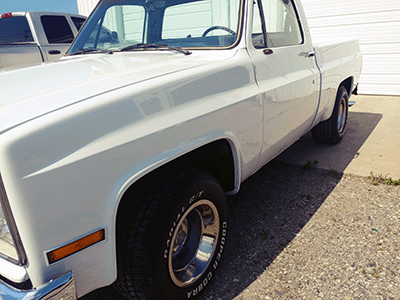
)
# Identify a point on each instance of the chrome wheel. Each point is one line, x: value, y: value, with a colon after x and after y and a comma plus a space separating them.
x: 193, y: 243
x: 342, y: 115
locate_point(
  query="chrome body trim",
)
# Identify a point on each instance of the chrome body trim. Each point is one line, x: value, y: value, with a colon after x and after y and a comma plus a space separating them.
x: 61, y: 288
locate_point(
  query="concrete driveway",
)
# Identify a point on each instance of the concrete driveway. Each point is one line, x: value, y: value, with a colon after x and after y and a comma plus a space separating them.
x: 371, y: 143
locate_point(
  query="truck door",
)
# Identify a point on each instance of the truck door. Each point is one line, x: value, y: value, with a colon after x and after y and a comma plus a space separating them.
x: 286, y: 73
x: 17, y: 44
x: 59, y: 36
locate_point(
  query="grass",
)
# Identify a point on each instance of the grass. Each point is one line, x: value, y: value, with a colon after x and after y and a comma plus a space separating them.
x: 375, y: 275
x: 334, y: 172
x: 309, y: 165
x: 380, y: 179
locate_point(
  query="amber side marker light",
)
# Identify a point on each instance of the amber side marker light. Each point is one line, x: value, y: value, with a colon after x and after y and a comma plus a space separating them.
x: 75, y: 246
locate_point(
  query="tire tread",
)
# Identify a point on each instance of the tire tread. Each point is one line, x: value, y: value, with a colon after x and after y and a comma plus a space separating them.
x: 134, y: 274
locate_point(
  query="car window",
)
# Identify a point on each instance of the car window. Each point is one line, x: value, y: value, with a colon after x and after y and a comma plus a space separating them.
x: 175, y: 23
x: 196, y: 18
x: 282, y: 27
x: 119, y: 26
x: 57, y: 29
x: 78, y: 22
x: 127, y: 21
x: 15, y: 30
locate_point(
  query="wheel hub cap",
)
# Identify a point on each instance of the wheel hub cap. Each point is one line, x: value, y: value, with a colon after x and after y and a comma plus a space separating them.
x: 194, y: 243
x: 342, y: 116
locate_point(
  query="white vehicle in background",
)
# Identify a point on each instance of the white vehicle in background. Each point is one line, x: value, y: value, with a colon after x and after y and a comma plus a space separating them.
x: 35, y: 37
x: 115, y: 162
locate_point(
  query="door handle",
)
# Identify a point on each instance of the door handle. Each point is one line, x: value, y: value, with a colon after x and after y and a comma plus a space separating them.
x: 307, y: 54
x: 268, y: 51
x: 54, y: 52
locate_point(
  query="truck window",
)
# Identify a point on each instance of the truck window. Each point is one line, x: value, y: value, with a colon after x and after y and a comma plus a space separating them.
x: 78, y: 22
x: 185, y: 23
x: 282, y: 27
x: 15, y: 30
x: 57, y: 29
x: 120, y: 26
x: 215, y: 21
x: 127, y: 21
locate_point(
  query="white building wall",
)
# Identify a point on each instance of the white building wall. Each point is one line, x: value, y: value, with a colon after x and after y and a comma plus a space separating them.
x: 85, y: 7
x: 376, y: 24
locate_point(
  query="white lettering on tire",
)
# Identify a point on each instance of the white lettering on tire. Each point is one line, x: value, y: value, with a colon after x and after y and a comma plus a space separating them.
x: 200, y: 287
x: 221, y: 247
x: 172, y: 229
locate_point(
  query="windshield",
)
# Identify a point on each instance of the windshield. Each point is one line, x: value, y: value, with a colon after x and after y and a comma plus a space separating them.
x: 192, y: 24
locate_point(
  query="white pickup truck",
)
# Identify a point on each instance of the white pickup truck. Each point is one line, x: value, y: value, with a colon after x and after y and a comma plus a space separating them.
x: 115, y: 161
x: 35, y: 37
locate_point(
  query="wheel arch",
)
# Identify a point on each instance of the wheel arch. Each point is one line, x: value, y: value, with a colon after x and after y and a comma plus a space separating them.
x: 219, y: 158
x: 347, y: 84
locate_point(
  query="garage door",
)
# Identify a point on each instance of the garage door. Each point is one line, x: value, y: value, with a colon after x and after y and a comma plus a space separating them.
x: 376, y: 24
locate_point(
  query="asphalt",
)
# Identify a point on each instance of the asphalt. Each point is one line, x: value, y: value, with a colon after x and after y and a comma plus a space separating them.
x: 371, y: 142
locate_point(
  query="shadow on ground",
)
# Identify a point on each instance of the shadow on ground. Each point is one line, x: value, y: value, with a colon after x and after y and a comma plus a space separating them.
x: 271, y: 208
x: 274, y: 205
x: 334, y: 157
x: 268, y: 212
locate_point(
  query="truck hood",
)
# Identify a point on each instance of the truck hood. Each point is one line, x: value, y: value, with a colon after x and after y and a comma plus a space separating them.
x: 28, y: 93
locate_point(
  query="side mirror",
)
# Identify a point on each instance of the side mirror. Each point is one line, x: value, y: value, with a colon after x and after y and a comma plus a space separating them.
x: 114, y: 36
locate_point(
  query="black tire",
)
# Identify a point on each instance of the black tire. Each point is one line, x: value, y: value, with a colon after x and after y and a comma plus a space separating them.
x: 332, y: 130
x: 159, y: 253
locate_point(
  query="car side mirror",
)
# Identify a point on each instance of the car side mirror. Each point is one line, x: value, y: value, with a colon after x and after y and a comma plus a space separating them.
x: 114, y: 36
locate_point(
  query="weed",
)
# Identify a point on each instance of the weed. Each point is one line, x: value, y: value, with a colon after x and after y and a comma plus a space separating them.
x: 390, y: 181
x: 265, y: 233
x: 334, y: 172
x: 380, y: 179
x: 375, y: 275
x: 309, y: 165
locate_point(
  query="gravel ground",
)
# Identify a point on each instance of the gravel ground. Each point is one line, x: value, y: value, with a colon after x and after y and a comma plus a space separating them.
x: 317, y: 234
